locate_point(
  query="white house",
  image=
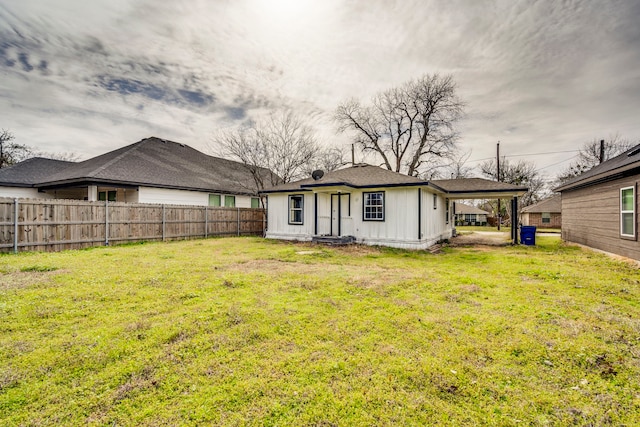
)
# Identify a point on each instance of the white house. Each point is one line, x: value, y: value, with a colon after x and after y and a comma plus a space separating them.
x: 152, y: 170
x: 374, y: 206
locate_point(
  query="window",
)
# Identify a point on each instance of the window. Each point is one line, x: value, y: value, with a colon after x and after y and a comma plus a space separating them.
x: 546, y: 217
x: 627, y: 212
x: 255, y: 202
x: 107, y: 195
x: 373, y: 206
x: 214, y: 200
x: 296, y: 203
x: 230, y: 201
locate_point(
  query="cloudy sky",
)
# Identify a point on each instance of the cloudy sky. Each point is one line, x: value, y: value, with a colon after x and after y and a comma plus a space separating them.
x: 539, y: 76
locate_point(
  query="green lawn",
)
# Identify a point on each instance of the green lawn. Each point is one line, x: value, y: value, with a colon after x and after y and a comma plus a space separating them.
x: 244, y: 331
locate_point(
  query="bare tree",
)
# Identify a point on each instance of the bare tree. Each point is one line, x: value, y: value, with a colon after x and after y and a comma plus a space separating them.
x: 589, y: 156
x: 327, y: 159
x: 274, y: 151
x: 522, y: 173
x: 457, y: 167
x: 11, y: 152
x: 64, y: 156
x: 411, y: 128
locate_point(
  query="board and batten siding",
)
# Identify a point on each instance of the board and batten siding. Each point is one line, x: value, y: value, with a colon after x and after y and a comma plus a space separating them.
x: 399, y: 228
x: 184, y: 197
x: 591, y: 217
x: 278, y: 226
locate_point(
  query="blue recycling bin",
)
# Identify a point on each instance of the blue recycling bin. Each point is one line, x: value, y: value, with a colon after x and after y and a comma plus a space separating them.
x: 528, y: 235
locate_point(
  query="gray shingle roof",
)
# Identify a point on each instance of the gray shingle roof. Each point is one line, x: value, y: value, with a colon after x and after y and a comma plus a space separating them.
x: 461, y: 208
x: 552, y: 205
x: 31, y: 171
x: 475, y: 185
x: 358, y: 176
x: 156, y: 162
x: 618, y: 166
x: 368, y: 176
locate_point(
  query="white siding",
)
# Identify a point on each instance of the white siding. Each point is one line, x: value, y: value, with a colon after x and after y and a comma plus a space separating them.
x: 184, y: 197
x: 22, y: 193
x: 278, y: 226
x: 399, y: 228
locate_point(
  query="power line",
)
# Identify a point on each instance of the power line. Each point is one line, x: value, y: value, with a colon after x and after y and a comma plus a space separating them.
x: 557, y: 163
x: 524, y: 155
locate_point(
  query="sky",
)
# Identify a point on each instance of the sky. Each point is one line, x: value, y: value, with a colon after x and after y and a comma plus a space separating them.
x: 87, y: 77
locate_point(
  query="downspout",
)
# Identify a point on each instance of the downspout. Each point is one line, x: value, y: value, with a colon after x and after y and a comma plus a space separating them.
x: 419, y: 213
x: 315, y: 213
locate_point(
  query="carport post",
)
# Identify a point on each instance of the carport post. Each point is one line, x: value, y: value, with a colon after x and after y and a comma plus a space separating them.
x: 514, y: 220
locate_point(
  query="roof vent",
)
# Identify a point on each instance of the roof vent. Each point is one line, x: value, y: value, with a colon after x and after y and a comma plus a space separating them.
x: 317, y: 174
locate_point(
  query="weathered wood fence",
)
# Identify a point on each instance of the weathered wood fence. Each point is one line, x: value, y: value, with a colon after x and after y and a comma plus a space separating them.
x: 54, y: 225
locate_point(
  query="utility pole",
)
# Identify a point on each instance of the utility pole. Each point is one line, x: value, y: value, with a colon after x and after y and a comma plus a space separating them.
x: 353, y: 155
x: 601, y: 150
x: 498, y: 176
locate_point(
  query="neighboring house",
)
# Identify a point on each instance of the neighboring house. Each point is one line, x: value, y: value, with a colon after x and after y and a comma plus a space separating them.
x: 152, y: 170
x: 374, y: 206
x: 544, y: 214
x: 19, y: 180
x: 600, y: 207
x: 469, y: 215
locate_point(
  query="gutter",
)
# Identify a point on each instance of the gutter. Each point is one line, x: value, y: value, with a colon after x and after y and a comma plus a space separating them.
x: 600, y: 178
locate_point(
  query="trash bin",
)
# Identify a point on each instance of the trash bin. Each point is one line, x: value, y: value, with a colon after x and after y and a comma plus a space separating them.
x: 528, y: 235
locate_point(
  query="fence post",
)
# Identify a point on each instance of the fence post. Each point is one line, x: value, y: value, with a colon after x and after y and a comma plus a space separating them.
x: 238, y: 210
x: 163, y: 222
x: 106, y: 222
x: 15, y: 226
x: 206, y: 221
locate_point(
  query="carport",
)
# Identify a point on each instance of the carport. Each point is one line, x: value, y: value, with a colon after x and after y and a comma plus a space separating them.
x: 478, y: 188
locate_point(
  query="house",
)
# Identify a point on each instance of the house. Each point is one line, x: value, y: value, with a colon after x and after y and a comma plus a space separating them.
x: 600, y: 207
x: 469, y: 215
x: 371, y: 205
x: 152, y: 170
x: 20, y: 180
x: 546, y: 213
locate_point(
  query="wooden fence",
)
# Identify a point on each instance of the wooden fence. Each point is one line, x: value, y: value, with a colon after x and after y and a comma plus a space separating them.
x: 54, y: 225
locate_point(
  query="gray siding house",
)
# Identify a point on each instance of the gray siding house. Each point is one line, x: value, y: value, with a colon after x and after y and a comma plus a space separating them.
x: 600, y: 207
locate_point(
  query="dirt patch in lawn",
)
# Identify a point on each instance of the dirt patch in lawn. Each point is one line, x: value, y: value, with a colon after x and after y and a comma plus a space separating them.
x: 25, y: 279
x: 483, y: 239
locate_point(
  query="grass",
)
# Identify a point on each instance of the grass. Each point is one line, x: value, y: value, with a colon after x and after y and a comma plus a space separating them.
x: 245, y: 331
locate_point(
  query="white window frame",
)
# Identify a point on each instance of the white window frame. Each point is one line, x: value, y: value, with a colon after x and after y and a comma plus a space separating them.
x: 378, y: 209
x: 293, y: 209
x: 624, y: 212
x: 548, y: 218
